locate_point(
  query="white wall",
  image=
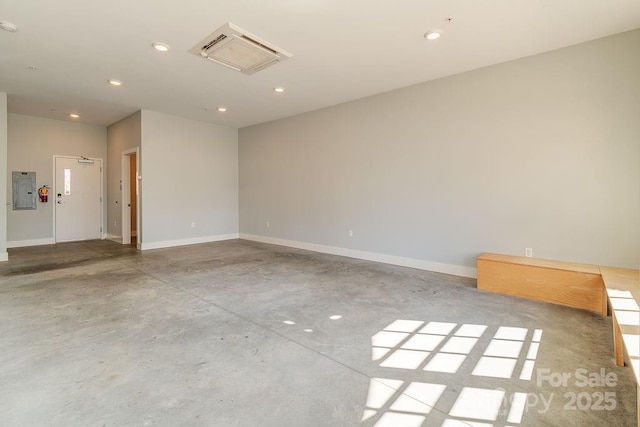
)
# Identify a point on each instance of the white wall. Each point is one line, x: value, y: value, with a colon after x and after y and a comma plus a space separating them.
x: 32, y: 143
x: 122, y: 135
x: 189, y: 174
x: 3, y: 177
x: 541, y: 152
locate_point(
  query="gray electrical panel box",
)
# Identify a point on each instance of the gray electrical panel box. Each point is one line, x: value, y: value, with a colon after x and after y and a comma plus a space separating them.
x: 24, y: 191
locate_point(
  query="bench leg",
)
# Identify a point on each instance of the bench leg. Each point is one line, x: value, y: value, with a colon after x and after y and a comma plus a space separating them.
x: 618, y: 345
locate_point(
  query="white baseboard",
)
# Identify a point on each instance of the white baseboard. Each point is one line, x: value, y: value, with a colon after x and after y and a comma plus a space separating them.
x: 35, y: 242
x: 185, y: 242
x: 4, y: 256
x: 114, y: 238
x: 456, y: 270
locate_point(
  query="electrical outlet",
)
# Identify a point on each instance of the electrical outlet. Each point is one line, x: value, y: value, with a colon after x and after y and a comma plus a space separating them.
x: 193, y: 225
x: 350, y: 233
x: 528, y: 252
x: 115, y: 223
x: 268, y: 224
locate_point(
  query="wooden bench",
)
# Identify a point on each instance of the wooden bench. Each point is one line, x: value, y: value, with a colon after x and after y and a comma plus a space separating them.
x: 623, y: 290
x: 573, y: 285
x: 604, y: 290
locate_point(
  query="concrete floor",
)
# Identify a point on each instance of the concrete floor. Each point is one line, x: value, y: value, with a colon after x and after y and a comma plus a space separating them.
x: 241, y: 334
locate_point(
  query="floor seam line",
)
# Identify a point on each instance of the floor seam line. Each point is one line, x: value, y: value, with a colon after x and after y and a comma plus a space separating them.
x: 323, y: 355
x: 250, y: 321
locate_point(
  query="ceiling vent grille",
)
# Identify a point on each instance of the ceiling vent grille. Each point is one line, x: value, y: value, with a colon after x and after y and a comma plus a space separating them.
x: 235, y: 48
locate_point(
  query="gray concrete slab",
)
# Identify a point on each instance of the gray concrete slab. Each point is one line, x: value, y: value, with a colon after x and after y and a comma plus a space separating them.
x: 239, y: 334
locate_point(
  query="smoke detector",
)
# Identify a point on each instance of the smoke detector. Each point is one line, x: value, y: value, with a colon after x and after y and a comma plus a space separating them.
x: 235, y: 48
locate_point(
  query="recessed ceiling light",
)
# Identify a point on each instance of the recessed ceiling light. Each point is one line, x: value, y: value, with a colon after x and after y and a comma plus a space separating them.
x: 114, y: 82
x: 160, y: 47
x: 278, y: 89
x: 74, y: 116
x: 222, y: 109
x: 432, y: 35
x: 8, y: 26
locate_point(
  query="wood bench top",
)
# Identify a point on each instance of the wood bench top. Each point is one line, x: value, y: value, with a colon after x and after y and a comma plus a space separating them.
x: 622, y: 279
x: 542, y: 263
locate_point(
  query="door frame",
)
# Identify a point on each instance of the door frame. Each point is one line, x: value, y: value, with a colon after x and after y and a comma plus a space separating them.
x: 125, y: 190
x: 54, y: 197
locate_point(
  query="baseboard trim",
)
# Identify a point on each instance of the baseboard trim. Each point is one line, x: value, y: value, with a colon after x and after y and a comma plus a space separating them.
x: 186, y: 242
x: 4, y: 256
x: 34, y: 242
x: 456, y: 270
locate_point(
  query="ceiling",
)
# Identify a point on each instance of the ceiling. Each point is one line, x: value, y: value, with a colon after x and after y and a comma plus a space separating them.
x: 343, y: 50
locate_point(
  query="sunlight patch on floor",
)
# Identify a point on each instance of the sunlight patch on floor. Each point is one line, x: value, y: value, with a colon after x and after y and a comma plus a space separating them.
x: 437, y: 348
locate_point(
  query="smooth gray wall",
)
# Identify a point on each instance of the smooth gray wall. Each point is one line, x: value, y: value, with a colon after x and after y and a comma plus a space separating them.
x: 541, y: 152
x: 189, y: 174
x: 122, y: 135
x: 32, y: 143
x: 3, y: 177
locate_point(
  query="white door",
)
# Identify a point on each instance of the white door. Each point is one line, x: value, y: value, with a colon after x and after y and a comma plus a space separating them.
x: 125, y: 185
x: 130, y: 193
x: 78, y: 199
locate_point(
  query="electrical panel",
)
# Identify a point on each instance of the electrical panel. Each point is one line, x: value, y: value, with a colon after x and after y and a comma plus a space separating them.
x: 24, y: 191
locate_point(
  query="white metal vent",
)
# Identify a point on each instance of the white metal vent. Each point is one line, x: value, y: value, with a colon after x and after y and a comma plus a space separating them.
x: 235, y: 48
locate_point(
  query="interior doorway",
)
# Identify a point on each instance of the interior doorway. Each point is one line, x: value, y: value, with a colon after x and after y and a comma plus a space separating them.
x: 130, y: 186
x: 77, y: 197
